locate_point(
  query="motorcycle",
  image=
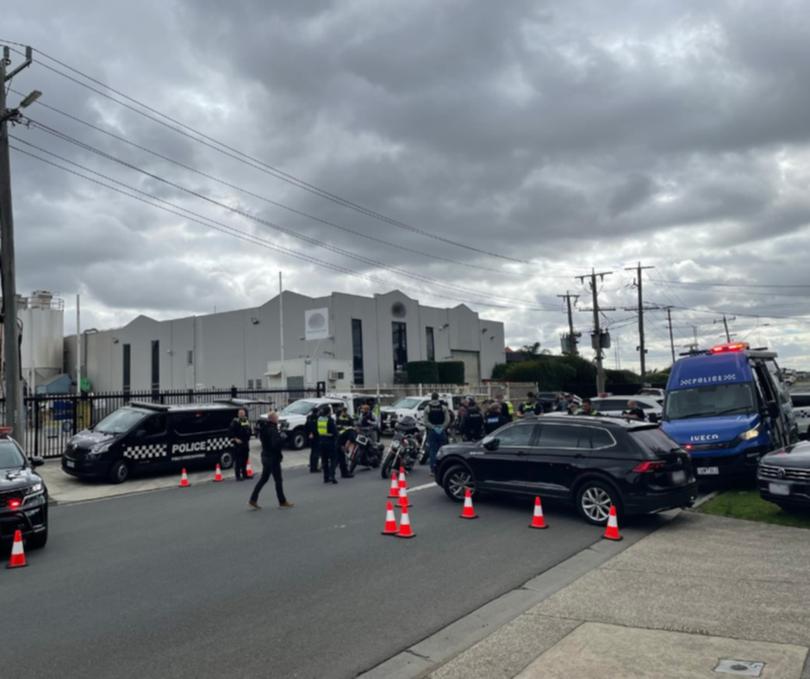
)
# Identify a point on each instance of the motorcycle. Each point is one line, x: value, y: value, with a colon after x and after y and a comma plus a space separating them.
x: 404, y: 451
x: 364, y: 451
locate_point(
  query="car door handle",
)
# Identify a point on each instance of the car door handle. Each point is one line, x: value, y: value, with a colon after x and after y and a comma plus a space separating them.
x: 520, y: 453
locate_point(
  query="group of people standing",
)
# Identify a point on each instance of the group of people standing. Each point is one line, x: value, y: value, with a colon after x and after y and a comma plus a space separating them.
x: 329, y: 437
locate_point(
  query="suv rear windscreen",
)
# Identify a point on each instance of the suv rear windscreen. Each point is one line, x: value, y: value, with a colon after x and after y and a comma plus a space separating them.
x: 653, y: 441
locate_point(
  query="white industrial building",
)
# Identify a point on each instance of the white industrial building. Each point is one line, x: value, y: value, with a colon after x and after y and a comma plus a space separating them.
x: 343, y: 340
x: 40, y: 319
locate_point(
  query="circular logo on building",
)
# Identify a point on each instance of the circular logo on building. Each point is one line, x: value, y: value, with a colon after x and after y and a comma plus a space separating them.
x: 316, y: 321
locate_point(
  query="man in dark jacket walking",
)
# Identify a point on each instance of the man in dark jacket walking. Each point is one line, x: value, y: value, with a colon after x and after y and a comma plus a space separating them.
x: 239, y: 434
x: 272, y: 441
x: 311, y: 429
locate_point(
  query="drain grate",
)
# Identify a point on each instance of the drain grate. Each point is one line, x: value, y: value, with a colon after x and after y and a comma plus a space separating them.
x: 740, y: 668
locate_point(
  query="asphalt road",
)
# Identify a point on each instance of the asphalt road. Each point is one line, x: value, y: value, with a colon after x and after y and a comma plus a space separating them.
x: 191, y: 583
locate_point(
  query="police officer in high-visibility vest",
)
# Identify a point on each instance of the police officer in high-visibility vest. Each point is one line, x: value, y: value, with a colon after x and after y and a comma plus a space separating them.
x: 507, y: 409
x: 327, y: 434
x: 239, y: 433
x: 345, y: 427
x: 311, y: 429
x: 436, y: 418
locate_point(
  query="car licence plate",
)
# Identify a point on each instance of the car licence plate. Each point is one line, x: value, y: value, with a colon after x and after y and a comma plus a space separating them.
x: 778, y: 489
x: 70, y: 463
x: 679, y: 476
x: 708, y: 471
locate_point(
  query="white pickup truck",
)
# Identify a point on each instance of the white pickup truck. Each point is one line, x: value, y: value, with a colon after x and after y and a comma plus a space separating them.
x: 292, y: 419
x: 411, y: 406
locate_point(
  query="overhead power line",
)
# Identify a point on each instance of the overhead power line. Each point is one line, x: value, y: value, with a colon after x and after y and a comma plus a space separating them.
x: 243, y: 213
x: 196, y: 135
x: 710, y: 284
x: 266, y: 199
x: 190, y: 215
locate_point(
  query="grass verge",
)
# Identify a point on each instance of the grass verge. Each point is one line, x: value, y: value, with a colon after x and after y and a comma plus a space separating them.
x: 747, y: 504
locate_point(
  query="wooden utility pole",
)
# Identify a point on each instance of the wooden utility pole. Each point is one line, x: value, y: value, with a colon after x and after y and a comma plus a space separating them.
x: 572, y: 340
x: 597, y: 331
x: 641, y: 348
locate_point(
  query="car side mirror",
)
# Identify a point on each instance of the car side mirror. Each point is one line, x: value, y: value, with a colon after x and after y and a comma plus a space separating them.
x: 653, y: 417
x: 492, y: 444
x: 36, y: 461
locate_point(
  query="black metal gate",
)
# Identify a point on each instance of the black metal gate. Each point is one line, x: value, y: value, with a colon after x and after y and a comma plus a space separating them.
x: 52, y: 419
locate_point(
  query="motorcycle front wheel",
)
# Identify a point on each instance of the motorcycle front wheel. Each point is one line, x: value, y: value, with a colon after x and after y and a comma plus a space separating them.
x: 388, y: 464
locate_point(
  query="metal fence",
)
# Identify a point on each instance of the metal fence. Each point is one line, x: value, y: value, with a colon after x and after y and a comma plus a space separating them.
x: 52, y: 419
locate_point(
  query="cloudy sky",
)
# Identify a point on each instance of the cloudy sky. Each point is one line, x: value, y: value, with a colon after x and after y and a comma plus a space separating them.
x: 475, y: 152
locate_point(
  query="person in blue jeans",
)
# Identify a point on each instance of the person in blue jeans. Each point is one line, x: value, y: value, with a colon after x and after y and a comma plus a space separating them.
x: 436, y: 418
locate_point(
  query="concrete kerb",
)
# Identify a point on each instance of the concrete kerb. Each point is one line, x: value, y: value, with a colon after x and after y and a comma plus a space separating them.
x: 431, y: 653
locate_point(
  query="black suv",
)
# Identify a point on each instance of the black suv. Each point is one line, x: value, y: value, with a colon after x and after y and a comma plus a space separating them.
x: 23, y: 496
x: 591, y: 461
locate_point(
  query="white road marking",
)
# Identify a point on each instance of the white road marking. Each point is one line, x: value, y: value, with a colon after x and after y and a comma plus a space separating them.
x: 422, y: 487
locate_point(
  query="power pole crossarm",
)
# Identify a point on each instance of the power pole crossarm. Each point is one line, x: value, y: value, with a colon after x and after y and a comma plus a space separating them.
x: 597, y: 330
x: 639, y: 283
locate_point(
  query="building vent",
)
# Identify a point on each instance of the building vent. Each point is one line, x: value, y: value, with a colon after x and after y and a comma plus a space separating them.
x: 398, y: 310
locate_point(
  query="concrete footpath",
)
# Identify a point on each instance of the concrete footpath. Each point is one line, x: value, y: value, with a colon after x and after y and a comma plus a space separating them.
x: 63, y: 488
x: 703, y: 596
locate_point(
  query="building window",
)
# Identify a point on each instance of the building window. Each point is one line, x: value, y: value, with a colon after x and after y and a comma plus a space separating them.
x: 431, y: 346
x: 259, y: 383
x: 155, y: 365
x: 127, y: 377
x: 357, y: 352
x: 250, y: 384
x: 399, y: 339
x: 190, y: 357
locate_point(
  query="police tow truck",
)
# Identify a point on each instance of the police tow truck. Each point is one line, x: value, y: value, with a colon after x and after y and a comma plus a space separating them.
x: 728, y: 407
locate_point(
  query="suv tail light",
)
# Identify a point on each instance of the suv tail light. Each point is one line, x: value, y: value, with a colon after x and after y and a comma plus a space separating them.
x: 649, y: 466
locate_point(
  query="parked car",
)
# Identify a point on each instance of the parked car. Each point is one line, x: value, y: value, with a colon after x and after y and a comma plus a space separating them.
x: 615, y: 406
x: 411, y: 406
x: 801, y: 409
x: 591, y: 462
x: 23, y: 495
x: 783, y: 476
x: 655, y: 392
x: 152, y: 436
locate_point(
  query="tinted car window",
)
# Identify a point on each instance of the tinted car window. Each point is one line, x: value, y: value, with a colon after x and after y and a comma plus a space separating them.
x: 564, y: 436
x: 201, y: 421
x: 156, y: 424
x: 601, y: 438
x: 10, y: 457
x: 653, y: 441
x: 518, y: 435
x: 610, y: 404
x: 802, y: 401
x: 122, y: 420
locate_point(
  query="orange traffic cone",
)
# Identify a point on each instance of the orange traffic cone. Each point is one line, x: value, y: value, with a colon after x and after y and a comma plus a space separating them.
x: 612, y: 528
x: 393, y: 491
x: 218, y: 474
x: 249, y: 469
x: 184, y: 479
x: 390, y: 520
x: 467, y: 511
x: 538, y: 521
x: 405, y: 530
x: 403, y: 498
x: 17, y: 559
x: 402, y: 482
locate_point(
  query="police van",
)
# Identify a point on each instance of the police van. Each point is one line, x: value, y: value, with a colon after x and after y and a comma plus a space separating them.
x: 728, y: 407
x: 150, y: 436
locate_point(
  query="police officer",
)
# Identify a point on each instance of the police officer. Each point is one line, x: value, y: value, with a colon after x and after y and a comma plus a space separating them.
x: 436, y: 418
x: 531, y: 406
x: 327, y: 433
x: 587, y: 408
x: 346, y: 434
x: 494, y: 418
x: 239, y: 434
x: 311, y: 429
x: 507, y: 409
x: 472, y: 426
x: 272, y: 440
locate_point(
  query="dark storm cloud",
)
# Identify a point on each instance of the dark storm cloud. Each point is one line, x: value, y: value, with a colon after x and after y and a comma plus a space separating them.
x: 574, y: 135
